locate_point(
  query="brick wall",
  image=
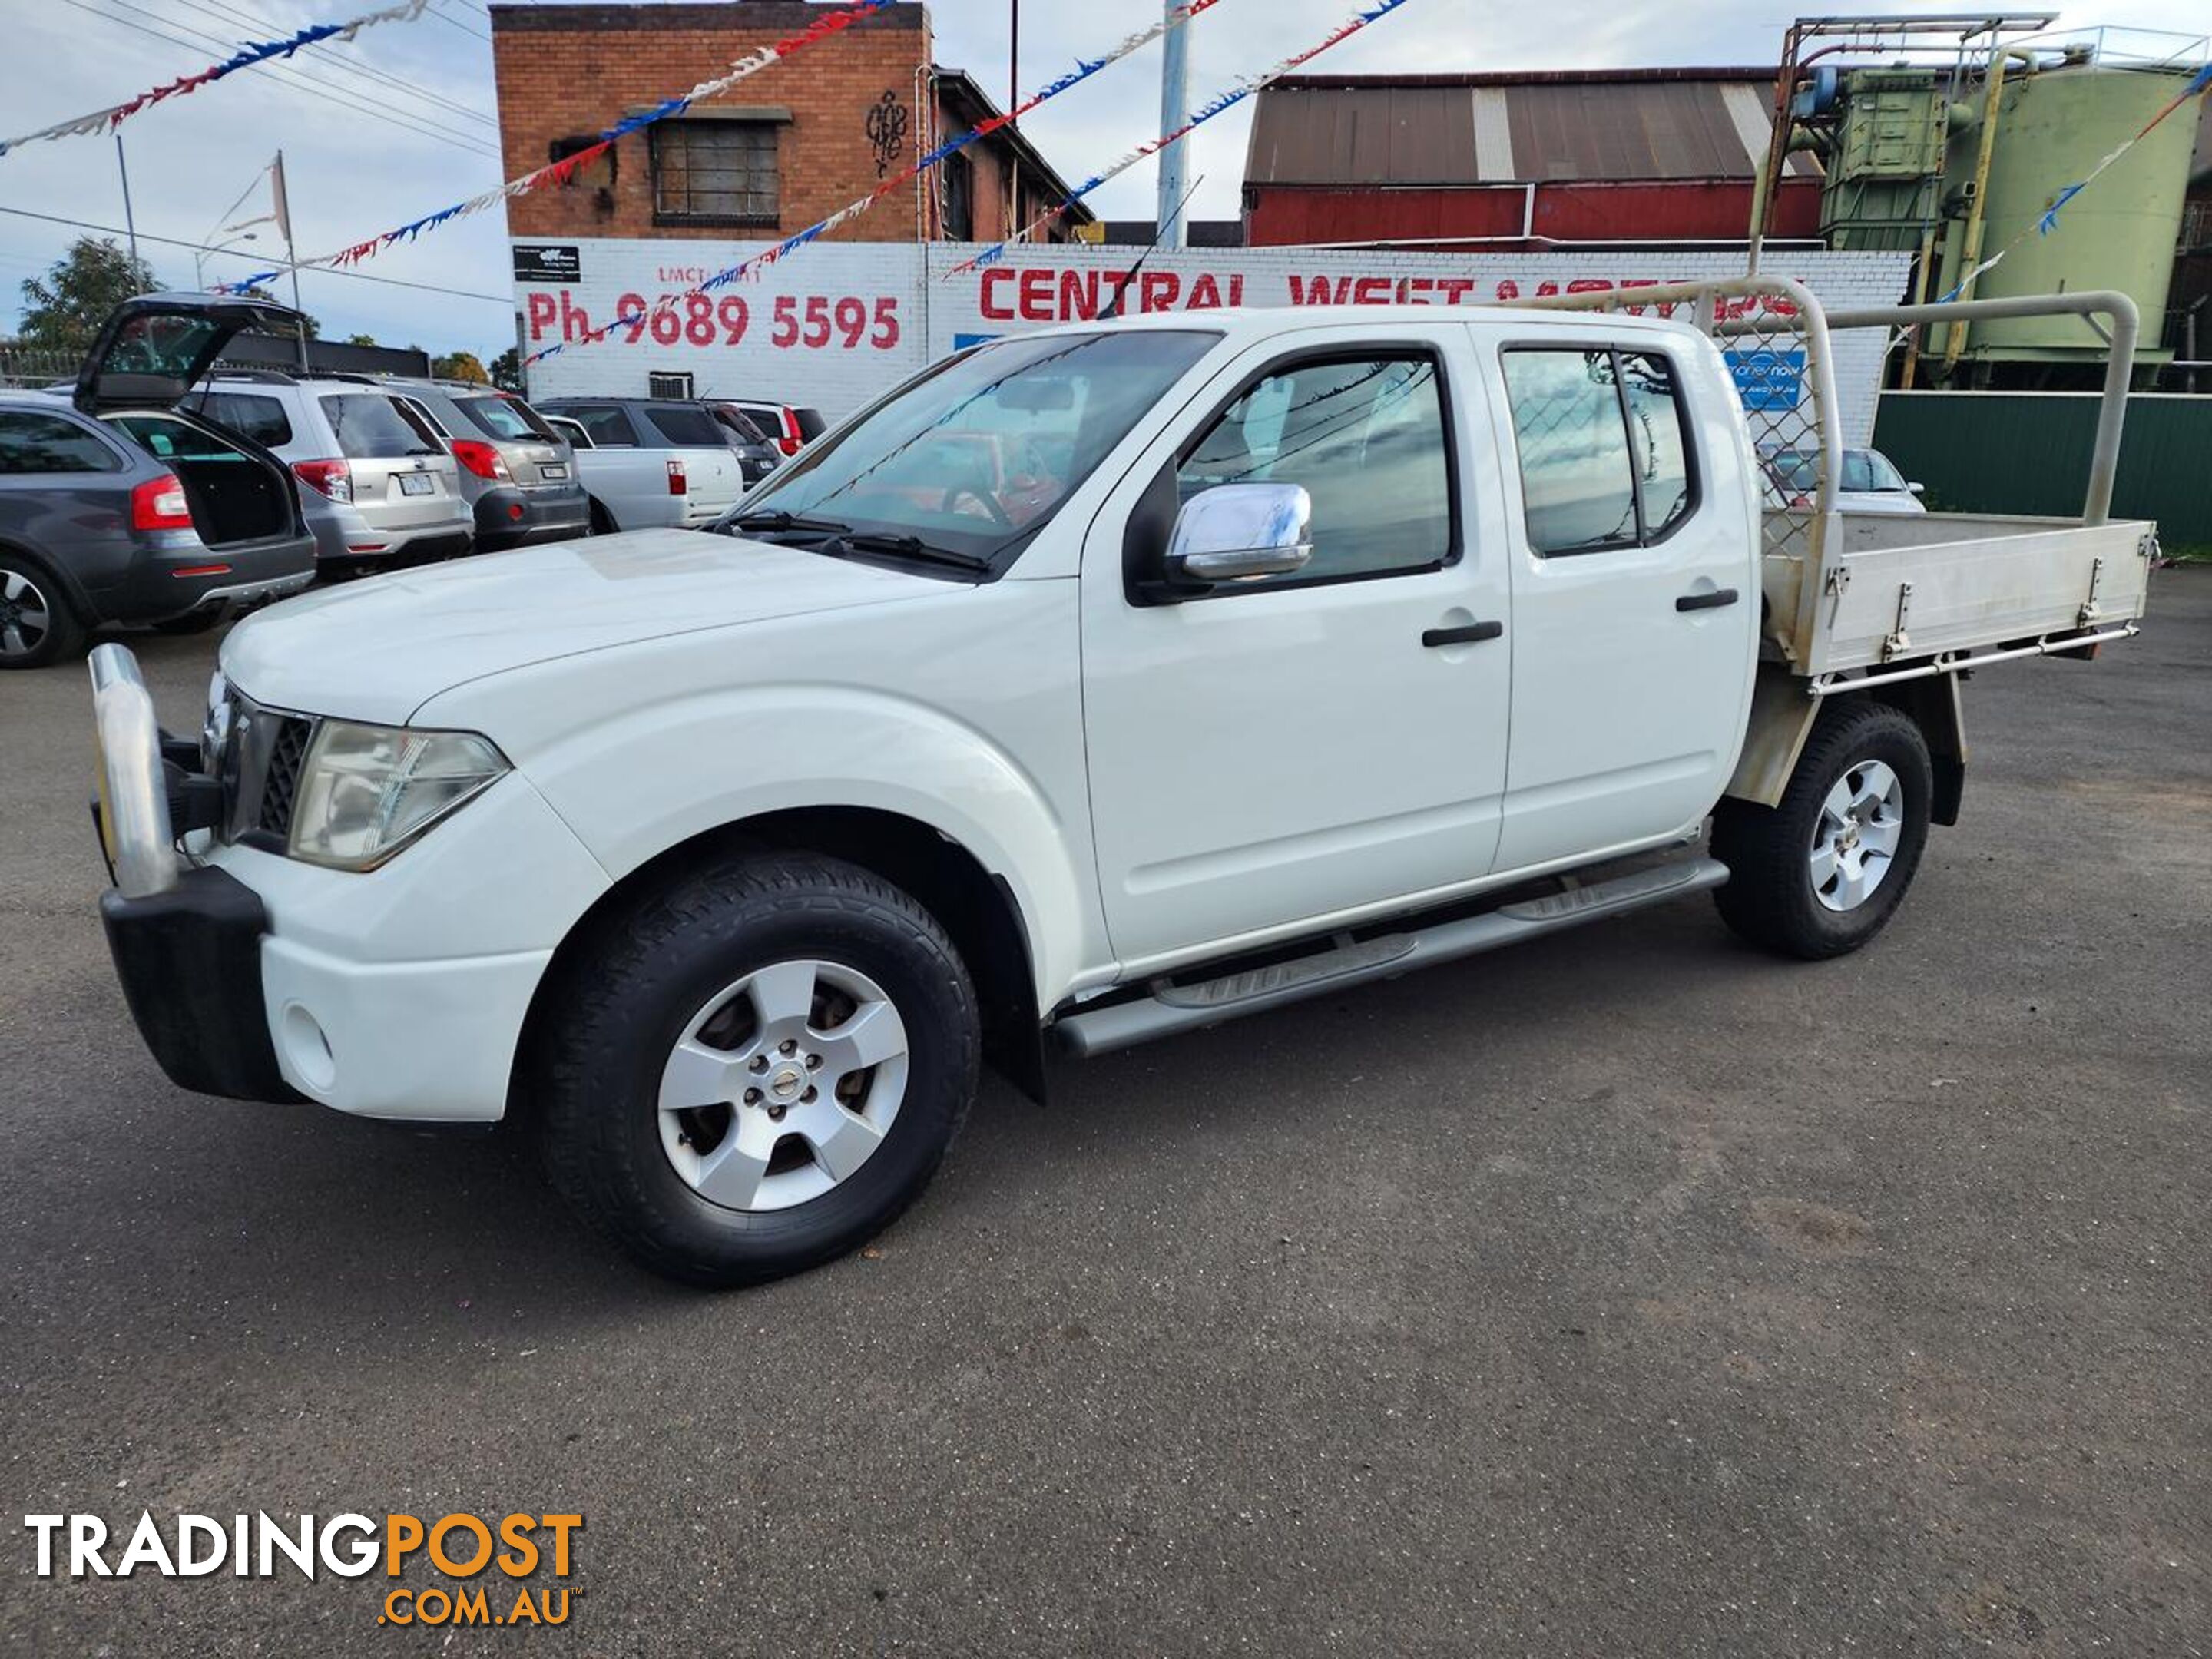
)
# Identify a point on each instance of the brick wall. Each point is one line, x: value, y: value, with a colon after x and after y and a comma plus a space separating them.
x: 570, y: 70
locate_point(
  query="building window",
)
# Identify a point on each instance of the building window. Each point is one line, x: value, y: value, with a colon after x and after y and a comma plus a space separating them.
x: 959, y: 198
x: 714, y: 173
x: 597, y: 174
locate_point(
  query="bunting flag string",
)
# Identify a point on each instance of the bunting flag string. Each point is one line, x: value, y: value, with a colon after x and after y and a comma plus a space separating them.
x: 1084, y: 70
x: 254, y: 51
x: 561, y: 171
x: 2199, y: 85
x: 1215, y: 105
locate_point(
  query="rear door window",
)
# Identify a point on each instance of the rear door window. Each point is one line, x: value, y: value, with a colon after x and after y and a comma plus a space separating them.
x: 173, y: 439
x: 249, y: 414
x: 371, y: 426
x: 32, y: 442
x: 1604, y: 449
x: 689, y: 428
x: 609, y: 427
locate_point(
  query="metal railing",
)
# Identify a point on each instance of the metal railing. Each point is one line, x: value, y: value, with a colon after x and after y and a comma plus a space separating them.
x: 28, y: 365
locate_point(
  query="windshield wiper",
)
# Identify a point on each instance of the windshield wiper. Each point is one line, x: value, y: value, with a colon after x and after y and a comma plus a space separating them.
x: 912, y: 547
x: 779, y: 519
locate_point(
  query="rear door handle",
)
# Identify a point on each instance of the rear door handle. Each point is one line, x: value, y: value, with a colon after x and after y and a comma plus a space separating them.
x: 1715, y: 600
x: 1467, y: 633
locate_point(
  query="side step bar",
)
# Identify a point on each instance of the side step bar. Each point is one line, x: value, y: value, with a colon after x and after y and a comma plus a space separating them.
x: 1169, y: 1009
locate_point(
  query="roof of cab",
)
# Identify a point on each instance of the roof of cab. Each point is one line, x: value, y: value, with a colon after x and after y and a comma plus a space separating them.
x: 1259, y: 322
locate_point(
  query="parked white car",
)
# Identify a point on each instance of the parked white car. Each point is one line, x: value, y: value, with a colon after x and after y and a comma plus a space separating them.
x: 1869, y: 481
x: 648, y: 461
x: 1300, y: 648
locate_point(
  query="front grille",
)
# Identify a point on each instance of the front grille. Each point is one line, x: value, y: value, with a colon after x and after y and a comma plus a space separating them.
x: 280, y: 783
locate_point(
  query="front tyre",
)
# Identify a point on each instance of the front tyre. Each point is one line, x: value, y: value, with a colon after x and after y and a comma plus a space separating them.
x: 758, y: 1068
x: 1820, y: 873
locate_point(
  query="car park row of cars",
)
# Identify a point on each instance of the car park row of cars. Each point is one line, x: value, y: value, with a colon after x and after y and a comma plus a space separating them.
x: 161, y: 491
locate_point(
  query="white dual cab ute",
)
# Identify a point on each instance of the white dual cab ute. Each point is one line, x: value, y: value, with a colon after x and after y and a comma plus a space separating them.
x: 1097, y: 684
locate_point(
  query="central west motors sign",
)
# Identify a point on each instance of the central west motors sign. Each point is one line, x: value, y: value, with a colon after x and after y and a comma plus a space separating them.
x: 839, y: 323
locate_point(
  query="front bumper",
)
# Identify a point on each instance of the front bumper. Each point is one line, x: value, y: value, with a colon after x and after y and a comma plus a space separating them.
x: 190, y: 961
x: 400, y: 992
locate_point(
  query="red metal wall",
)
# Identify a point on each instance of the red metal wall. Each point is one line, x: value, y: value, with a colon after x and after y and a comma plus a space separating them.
x: 1671, y: 211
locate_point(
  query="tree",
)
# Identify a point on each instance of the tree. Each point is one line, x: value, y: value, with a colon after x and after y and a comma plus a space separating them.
x: 64, y: 309
x: 507, y: 370
x: 460, y: 366
x: 360, y: 340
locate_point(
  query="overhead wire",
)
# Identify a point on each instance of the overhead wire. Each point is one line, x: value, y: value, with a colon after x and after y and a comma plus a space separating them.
x: 505, y: 299
x: 220, y: 11
x: 313, y: 87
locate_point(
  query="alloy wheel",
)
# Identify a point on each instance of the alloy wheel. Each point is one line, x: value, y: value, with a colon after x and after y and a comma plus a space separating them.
x: 26, y: 617
x: 1856, y: 837
x: 782, y: 1085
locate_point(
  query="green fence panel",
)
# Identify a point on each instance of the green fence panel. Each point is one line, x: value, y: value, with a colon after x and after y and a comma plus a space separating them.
x: 2028, y: 451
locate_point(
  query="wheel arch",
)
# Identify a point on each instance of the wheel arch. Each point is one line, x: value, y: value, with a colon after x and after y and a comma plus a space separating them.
x: 977, y: 908
x: 53, y: 571
x: 1782, y: 716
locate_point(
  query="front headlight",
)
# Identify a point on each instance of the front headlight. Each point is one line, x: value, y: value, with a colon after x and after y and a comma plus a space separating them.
x: 366, y: 791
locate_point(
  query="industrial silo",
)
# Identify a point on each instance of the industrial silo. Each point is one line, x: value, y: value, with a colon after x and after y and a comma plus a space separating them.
x: 2055, y: 123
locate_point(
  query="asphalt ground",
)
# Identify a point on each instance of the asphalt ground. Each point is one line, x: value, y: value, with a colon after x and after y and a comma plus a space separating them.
x: 1626, y: 1293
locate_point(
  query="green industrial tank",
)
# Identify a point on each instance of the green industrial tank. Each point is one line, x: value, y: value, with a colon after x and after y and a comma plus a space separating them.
x: 2054, y: 126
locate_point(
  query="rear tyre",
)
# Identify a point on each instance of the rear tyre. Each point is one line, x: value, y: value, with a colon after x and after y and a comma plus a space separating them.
x: 757, y: 1068
x: 602, y: 522
x: 37, y: 625
x: 1822, y: 872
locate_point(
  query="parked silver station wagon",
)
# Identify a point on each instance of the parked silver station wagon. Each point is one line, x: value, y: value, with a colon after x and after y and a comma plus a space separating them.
x: 389, y: 491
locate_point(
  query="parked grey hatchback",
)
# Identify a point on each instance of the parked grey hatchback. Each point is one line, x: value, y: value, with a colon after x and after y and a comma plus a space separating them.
x: 516, y: 472
x: 117, y: 506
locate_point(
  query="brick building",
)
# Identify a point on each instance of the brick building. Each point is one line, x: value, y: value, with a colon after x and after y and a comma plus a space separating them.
x: 778, y: 151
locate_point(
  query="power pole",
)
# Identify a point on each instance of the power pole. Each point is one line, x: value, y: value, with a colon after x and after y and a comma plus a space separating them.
x: 1175, y: 109
x: 130, y: 224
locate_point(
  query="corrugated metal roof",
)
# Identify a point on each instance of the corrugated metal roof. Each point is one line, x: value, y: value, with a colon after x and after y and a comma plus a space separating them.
x: 1445, y: 129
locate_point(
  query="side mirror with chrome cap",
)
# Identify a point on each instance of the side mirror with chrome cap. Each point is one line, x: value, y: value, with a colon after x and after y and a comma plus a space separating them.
x: 1235, y: 533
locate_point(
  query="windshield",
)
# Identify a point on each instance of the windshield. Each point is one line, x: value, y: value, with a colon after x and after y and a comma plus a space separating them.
x: 1868, y: 471
x: 980, y: 451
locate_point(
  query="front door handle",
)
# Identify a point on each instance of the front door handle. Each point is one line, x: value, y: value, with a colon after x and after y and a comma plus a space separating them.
x: 1467, y: 633
x: 1713, y: 601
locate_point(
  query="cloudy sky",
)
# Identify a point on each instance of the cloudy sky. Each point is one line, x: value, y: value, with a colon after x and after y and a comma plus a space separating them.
x: 401, y: 122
